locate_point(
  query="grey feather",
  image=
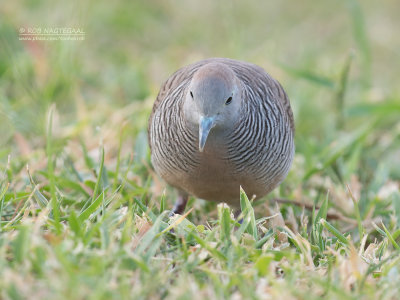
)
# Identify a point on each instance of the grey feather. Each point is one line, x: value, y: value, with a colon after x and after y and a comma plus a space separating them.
x: 252, y: 144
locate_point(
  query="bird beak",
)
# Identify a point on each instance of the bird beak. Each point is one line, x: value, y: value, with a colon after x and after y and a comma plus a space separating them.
x: 206, y: 124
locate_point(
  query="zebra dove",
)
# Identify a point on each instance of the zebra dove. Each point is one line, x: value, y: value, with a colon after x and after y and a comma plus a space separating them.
x: 219, y: 124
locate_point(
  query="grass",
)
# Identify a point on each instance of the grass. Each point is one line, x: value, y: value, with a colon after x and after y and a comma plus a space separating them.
x: 82, y: 214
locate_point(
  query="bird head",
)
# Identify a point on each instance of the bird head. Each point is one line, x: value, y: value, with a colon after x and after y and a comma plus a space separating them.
x: 213, y: 100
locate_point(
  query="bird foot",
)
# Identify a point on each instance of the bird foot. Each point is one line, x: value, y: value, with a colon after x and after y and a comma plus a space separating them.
x: 180, y: 205
x: 236, y: 214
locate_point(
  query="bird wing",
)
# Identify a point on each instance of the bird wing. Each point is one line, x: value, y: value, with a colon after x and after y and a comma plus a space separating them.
x: 173, y: 82
x: 167, y: 87
x: 256, y: 78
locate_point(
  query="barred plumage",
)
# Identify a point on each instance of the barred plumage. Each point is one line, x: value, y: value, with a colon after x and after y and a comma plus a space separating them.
x: 248, y: 143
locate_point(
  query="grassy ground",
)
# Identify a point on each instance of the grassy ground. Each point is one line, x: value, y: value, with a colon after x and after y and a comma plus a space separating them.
x: 83, y: 215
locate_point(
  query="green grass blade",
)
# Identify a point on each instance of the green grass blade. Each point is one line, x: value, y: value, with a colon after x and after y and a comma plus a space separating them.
x: 213, y: 251
x: 50, y: 171
x: 323, y: 211
x: 361, y: 37
x: 390, y: 237
x: 334, y: 231
x: 357, y: 213
x: 153, y: 235
x: 264, y: 239
x: 224, y: 217
x: 20, y: 244
x: 100, y: 174
x: 342, y: 146
x: 248, y: 213
x: 388, y: 107
x: 341, y: 92
x: 92, y: 208
x: 162, y: 202
x: 117, y: 167
x: 309, y: 76
x: 74, y: 223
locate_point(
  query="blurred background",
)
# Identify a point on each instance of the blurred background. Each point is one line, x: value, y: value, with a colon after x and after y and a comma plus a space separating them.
x: 75, y: 224
x: 337, y: 60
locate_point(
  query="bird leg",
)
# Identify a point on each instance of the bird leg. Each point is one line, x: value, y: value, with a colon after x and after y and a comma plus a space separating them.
x: 236, y: 214
x: 180, y: 204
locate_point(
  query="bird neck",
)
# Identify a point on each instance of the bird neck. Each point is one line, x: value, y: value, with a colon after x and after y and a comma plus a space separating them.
x: 217, y: 142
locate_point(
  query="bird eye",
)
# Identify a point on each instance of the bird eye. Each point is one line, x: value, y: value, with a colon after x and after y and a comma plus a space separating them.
x: 191, y: 94
x: 228, y: 101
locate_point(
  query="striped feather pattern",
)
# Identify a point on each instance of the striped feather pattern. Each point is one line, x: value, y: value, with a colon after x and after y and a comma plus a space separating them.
x: 256, y: 154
